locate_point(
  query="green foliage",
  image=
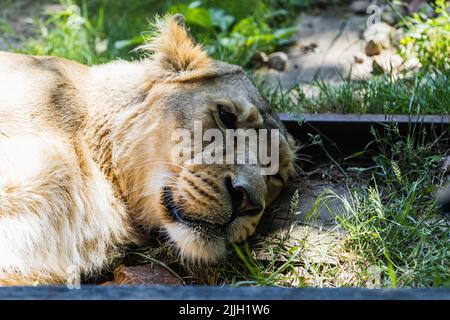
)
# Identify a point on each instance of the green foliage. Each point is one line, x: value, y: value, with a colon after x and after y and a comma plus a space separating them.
x: 70, y: 33
x: 429, y: 38
x: 230, y: 31
x: 420, y: 93
x: 230, y: 38
x: 393, y: 222
x: 5, y: 27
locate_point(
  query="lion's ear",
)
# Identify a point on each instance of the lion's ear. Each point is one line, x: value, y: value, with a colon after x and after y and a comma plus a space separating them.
x: 174, y: 52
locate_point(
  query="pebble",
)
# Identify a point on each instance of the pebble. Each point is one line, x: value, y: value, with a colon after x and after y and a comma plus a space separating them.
x: 260, y: 59
x: 278, y: 61
x: 359, y: 7
x: 146, y: 274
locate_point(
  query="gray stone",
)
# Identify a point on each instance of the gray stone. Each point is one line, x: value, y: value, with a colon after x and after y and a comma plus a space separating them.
x: 278, y: 61
x: 359, y: 7
x: 260, y: 59
x: 422, y: 7
x: 392, y: 13
x: 390, y: 17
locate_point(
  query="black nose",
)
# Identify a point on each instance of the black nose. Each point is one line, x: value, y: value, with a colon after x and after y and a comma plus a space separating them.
x: 244, y: 203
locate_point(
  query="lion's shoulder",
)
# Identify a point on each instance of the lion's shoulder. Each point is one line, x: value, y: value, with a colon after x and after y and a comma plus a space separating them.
x: 41, y: 91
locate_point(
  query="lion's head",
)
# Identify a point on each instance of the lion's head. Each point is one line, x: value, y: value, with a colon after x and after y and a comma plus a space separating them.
x: 199, y: 205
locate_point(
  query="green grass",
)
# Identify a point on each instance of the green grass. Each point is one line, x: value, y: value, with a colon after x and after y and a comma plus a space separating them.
x: 101, y: 30
x: 425, y: 92
x: 393, y: 222
x: 70, y: 33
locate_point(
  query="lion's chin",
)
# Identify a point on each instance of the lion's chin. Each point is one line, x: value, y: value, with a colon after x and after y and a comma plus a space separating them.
x: 194, y: 247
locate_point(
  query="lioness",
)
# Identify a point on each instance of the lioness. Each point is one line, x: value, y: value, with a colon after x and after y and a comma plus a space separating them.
x: 86, y: 161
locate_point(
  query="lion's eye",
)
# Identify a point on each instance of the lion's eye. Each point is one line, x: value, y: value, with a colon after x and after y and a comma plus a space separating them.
x: 227, y: 117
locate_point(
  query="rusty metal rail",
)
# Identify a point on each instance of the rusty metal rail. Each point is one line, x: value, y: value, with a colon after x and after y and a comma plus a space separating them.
x: 345, y: 134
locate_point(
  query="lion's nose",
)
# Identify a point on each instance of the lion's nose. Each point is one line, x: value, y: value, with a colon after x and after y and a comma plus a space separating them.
x: 245, y: 203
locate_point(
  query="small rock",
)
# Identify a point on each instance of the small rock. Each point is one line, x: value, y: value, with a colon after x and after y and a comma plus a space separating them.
x: 278, y: 61
x: 372, y: 48
x: 427, y: 10
x: 359, y: 58
x: 260, y: 59
x: 143, y: 275
x: 304, y: 49
x: 415, y: 5
x: 359, y: 7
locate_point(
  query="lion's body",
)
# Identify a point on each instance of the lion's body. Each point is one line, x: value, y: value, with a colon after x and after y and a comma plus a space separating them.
x: 59, y: 212
x: 84, y: 155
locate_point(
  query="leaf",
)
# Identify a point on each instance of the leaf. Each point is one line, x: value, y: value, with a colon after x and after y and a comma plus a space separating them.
x: 285, y: 33
x: 199, y: 17
x: 220, y: 19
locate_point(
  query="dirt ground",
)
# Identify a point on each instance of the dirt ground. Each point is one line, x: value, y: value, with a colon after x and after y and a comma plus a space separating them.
x: 18, y: 16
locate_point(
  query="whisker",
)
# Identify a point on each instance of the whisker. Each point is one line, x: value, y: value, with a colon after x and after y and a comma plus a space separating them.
x: 167, y: 178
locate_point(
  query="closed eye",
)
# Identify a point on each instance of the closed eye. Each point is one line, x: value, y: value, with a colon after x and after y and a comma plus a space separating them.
x: 227, y: 117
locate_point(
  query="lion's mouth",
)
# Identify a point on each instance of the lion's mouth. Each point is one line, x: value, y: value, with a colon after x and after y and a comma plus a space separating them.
x: 206, y: 228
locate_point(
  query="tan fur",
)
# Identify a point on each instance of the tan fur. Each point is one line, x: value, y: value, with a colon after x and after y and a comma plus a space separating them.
x: 85, y: 155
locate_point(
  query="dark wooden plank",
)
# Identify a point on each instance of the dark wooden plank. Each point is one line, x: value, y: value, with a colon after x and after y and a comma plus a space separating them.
x: 220, y: 293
